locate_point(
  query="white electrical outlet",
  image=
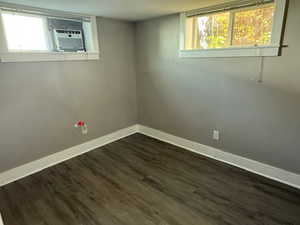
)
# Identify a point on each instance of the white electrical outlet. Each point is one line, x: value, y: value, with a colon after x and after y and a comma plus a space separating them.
x: 216, y: 135
x: 84, y: 129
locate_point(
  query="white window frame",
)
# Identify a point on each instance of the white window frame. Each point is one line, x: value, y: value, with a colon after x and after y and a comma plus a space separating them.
x: 238, y: 51
x: 92, y: 52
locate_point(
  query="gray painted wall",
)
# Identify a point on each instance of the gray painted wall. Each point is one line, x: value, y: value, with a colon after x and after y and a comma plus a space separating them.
x: 40, y: 102
x: 191, y: 97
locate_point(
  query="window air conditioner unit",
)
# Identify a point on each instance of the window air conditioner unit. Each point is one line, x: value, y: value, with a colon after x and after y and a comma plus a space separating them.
x: 69, y: 40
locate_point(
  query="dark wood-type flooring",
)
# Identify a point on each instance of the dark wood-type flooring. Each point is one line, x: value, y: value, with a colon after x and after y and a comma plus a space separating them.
x: 142, y: 181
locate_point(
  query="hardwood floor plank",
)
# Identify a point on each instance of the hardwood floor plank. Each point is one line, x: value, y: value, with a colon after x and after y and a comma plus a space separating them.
x: 142, y: 181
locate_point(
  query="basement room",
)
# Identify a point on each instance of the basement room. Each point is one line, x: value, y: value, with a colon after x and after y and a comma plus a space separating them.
x: 160, y: 112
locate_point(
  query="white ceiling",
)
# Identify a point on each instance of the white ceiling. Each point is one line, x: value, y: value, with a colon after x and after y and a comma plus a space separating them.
x: 133, y: 10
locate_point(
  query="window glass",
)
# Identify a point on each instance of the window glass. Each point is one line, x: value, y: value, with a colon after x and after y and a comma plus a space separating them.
x: 26, y: 33
x: 209, y: 31
x: 246, y: 27
x: 253, y: 27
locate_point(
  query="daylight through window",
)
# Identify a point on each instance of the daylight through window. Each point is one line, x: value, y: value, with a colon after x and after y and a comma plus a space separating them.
x: 250, y: 26
x: 37, y: 35
x: 24, y: 33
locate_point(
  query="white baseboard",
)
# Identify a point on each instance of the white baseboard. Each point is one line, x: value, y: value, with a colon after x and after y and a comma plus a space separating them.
x: 277, y: 174
x: 43, y: 163
x: 1, y: 221
x: 262, y: 169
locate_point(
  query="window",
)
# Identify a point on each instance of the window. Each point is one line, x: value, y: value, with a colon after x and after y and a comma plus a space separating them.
x: 243, y: 28
x: 211, y: 31
x: 24, y: 32
x: 253, y: 26
x: 43, y: 36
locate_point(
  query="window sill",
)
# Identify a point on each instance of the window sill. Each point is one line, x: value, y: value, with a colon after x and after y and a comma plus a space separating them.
x: 47, y: 56
x: 231, y: 52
